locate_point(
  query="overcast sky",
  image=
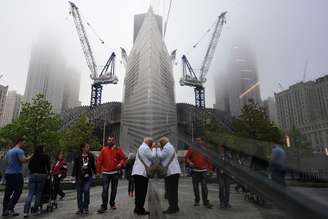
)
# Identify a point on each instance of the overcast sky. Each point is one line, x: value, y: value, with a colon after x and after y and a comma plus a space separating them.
x: 283, y: 34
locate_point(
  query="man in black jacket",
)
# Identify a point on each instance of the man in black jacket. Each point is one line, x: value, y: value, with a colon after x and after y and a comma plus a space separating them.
x: 83, y: 169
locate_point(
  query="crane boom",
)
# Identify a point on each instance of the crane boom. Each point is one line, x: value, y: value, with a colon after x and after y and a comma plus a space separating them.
x: 84, y: 40
x: 212, y: 46
x: 107, y: 75
x: 189, y: 78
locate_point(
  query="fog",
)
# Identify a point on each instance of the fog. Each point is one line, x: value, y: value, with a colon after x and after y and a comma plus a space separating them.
x: 283, y: 35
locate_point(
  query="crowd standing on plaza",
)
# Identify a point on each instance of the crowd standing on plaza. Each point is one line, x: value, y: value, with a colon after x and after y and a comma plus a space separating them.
x: 151, y: 159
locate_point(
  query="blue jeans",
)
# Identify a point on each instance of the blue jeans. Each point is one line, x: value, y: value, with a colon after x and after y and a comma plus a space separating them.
x: 35, y: 187
x: 224, y: 187
x: 106, y: 179
x: 14, y: 187
x: 200, y: 178
x: 83, y: 192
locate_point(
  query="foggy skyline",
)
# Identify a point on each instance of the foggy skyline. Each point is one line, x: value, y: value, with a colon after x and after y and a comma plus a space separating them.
x: 283, y: 35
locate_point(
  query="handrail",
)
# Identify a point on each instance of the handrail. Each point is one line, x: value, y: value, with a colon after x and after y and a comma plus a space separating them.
x: 294, y: 203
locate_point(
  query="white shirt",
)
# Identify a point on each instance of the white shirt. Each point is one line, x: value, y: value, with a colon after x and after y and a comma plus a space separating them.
x: 165, y: 155
x: 147, y: 155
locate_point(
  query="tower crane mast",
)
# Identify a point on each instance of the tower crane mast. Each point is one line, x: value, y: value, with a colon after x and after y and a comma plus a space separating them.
x: 107, y: 75
x: 189, y: 77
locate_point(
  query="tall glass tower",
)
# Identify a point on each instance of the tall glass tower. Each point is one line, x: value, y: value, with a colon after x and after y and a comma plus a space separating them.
x: 149, y: 100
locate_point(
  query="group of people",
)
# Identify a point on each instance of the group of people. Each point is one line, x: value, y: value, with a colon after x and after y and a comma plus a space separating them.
x: 138, y: 168
x: 109, y: 163
x: 39, y: 168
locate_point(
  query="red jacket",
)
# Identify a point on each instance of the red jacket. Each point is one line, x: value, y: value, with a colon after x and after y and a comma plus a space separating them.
x: 59, y: 168
x: 109, y: 158
x: 197, y: 160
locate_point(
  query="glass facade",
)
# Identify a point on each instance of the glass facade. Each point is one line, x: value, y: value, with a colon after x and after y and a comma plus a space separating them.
x: 149, y: 101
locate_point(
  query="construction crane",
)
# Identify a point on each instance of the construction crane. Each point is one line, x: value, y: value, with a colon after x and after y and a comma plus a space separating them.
x: 190, y: 78
x: 173, y: 56
x: 107, y: 74
x: 124, y: 57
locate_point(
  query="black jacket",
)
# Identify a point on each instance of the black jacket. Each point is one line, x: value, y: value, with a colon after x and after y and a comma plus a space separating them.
x: 128, y: 167
x: 39, y: 164
x: 78, y: 172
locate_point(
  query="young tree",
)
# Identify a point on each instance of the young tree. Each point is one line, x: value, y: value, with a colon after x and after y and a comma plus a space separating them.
x: 37, y: 122
x: 299, y: 147
x: 80, y: 131
x: 255, y: 124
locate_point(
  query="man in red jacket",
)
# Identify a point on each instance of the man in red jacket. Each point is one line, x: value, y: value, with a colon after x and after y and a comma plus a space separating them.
x: 200, y: 165
x: 110, y: 160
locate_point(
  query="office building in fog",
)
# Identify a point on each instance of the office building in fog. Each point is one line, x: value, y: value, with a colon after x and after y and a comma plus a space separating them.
x: 269, y: 105
x: 48, y: 75
x: 3, y: 95
x: 149, y: 101
x: 238, y: 83
x: 12, y: 108
x: 305, y: 107
x: 71, y: 89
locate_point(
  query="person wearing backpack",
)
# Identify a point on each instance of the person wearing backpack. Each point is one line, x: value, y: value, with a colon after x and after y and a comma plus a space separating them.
x: 111, y: 159
x: 170, y: 163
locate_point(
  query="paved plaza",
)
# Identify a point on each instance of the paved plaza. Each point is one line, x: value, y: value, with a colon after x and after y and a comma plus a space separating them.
x: 240, y: 208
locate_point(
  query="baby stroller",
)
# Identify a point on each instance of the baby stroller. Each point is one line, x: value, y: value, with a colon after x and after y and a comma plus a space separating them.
x: 48, y: 194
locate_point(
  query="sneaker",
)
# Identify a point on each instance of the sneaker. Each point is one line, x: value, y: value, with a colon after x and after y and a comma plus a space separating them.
x: 101, y: 210
x: 227, y: 206
x: 196, y: 204
x: 61, y: 198
x: 113, y: 207
x: 141, y: 212
x: 171, y: 211
x: 78, y: 212
x: 208, y: 205
x: 13, y: 213
x: 37, y: 212
x: 5, y: 213
x: 26, y: 215
x: 86, y: 211
x: 222, y: 205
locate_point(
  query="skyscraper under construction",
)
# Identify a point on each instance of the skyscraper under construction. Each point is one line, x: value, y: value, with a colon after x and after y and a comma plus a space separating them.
x: 149, y: 100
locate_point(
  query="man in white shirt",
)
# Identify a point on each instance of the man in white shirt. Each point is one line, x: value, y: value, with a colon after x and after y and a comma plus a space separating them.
x: 144, y: 156
x: 168, y: 158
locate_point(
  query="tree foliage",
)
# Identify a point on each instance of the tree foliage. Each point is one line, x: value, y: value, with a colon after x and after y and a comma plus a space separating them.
x: 79, y: 132
x: 299, y: 147
x: 37, y: 122
x: 254, y: 123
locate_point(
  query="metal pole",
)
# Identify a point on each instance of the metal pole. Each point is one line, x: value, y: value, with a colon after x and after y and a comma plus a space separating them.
x: 192, y: 126
x: 104, y: 130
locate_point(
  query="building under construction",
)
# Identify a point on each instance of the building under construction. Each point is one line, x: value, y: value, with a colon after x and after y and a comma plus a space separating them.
x: 149, y: 101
